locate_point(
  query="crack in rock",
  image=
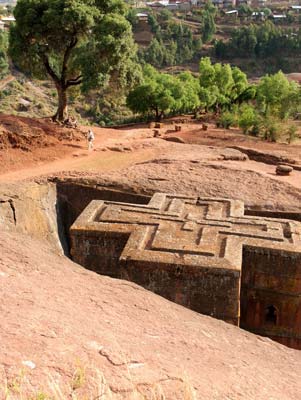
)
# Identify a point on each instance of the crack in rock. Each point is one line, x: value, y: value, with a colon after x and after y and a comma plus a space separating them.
x: 105, y: 354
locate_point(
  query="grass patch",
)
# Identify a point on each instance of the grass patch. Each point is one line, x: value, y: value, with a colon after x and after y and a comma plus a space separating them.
x: 90, y: 384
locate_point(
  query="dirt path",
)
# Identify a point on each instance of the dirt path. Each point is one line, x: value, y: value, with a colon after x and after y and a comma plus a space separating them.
x: 100, y: 159
x: 117, y: 149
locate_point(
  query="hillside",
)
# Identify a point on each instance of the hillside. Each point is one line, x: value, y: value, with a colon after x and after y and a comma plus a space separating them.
x: 25, y: 140
x: 26, y: 97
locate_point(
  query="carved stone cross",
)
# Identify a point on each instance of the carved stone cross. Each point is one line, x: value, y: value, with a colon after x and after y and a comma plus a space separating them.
x: 187, y: 249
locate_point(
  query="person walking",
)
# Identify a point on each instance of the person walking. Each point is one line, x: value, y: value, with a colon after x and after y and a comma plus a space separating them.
x: 90, y: 138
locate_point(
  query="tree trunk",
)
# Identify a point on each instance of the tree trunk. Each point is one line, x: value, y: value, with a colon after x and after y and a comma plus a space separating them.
x: 158, y: 116
x: 62, y: 111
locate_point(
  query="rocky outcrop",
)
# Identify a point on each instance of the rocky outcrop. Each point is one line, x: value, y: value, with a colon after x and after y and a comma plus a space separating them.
x: 32, y: 209
x: 269, y: 157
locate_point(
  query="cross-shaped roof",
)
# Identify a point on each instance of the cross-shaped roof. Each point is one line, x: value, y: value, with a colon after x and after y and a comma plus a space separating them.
x: 189, y: 231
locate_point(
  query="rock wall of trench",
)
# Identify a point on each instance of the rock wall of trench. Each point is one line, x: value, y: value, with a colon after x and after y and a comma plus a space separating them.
x: 32, y: 209
x: 46, y: 210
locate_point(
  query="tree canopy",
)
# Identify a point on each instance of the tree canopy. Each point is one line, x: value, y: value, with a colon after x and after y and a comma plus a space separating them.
x: 208, y: 23
x: 264, y: 40
x: 74, y: 42
x: 220, y: 84
x: 173, y: 42
x: 163, y: 93
x: 277, y: 95
x: 3, y: 53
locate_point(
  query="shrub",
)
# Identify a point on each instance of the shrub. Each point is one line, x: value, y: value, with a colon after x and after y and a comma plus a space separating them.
x: 226, y: 120
x: 249, y: 120
x: 292, y: 133
x: 272, y: 130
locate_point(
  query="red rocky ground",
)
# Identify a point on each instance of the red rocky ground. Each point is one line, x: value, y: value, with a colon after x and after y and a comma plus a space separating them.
x: 58, y: 319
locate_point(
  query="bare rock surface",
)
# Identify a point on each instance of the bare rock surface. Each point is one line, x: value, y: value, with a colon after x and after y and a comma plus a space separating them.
x: 271, y: 156
x: 194, y: 177
x: 58, y: 318
x: 256, y: 148
x: 175, y: 139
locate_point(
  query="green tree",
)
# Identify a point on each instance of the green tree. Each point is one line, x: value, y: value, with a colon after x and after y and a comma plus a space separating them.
x: 3, y: 53
x: 276, y: 95
x: 226, y: 120
x: 190, y: 99
x: 248, y: 118
x: 173, y: 43
x: 248, y: 94
x: 208, y: 22
x: 132, y: 17
x: 153, y: 23
x: 155, y: 53
x: 74, y: 42
x: 220, y: 85
x: 245, y: 10
x: 263, y: 40
x: 170, y: 54
x: 165, y: 15
x: 160, y: 94
x: 267, y: 12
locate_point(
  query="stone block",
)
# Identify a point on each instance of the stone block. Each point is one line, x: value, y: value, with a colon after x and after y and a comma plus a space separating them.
x: 283, y: 170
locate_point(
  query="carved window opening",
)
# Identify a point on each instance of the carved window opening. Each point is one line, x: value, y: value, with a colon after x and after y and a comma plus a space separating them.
x: 271, y: 315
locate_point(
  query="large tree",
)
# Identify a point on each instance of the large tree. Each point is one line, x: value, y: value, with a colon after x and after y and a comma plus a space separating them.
x: 277, y: 96
x: 156, y: 95
x: 220, y: 84
x: 74, y: 42
x: 208, y: 22
x: 161, y: 94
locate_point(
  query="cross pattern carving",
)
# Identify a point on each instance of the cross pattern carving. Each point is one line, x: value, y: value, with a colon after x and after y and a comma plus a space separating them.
x: 200, y: 232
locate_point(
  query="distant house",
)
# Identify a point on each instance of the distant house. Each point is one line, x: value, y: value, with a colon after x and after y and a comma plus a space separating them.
x: 184, y: 5
x: 173, y: 6
x: 8, y: 20
x: 161, y: 3
x: 143, y: 17
x: 5, y: 22
x: 296, y: 8
x: 278, y: 17
x: 258, y: 16
x: 232, y: 13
